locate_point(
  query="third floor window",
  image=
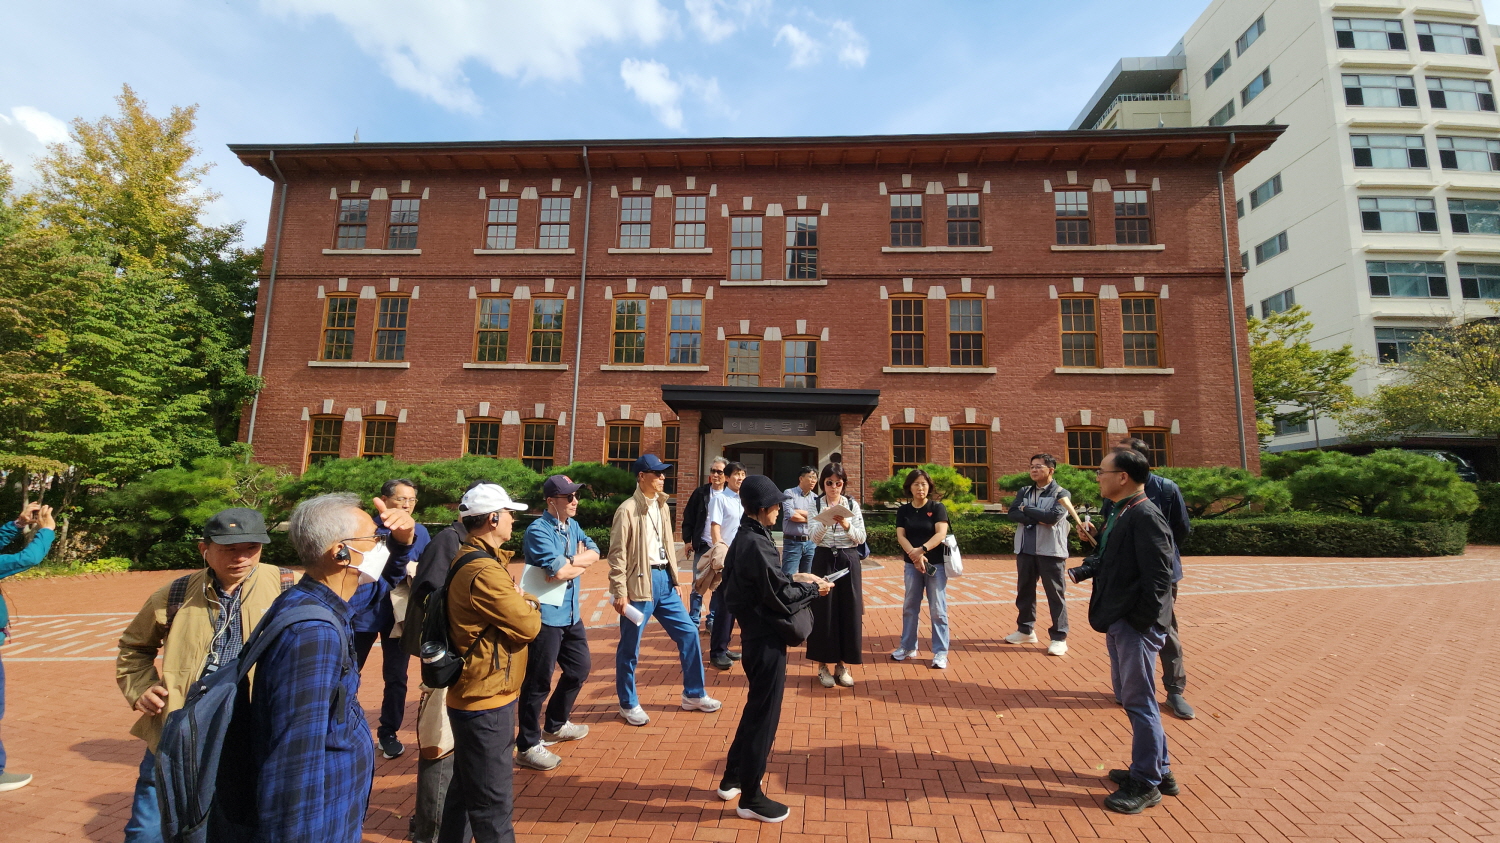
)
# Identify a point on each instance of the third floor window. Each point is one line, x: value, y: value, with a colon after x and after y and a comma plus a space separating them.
x: 1397, y: 213
x: 1132, y: 217
x: 500, y: 230
x: 402, y: 233
x: 1265, y: 191
x: 1072, y: 208
x: 1452, y: 38
x: 552, y: 233
x: 1408, y: 279
x: 1461, y: 94
x: 1389, y: 152
x: 1379, y: 91
x: 1368, y: 34
x: 635, y: 222
x: 963, y: 219
x: 1480, y: 155
x: 745, y: 248
x: 801, y: 247
x: 689, y: 222
x: 906, y: 219
x: 1474, y: 216
x: 354, y: 217
x: 1261, y: 82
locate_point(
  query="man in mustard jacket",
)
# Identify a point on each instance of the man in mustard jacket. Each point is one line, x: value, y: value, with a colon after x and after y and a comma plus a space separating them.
x: 197, y: 623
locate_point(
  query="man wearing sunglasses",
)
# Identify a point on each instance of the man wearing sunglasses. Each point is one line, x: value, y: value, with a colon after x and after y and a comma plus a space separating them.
x: 556, y: 544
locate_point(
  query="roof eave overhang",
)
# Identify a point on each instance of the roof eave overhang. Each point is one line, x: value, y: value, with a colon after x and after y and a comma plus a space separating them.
x: 761, y: 400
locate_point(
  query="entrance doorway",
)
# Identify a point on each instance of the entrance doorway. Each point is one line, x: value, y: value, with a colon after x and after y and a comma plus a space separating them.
x: 779, y: 461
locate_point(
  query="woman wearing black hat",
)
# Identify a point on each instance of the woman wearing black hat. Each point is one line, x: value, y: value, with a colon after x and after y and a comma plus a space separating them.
x: 767, y: 605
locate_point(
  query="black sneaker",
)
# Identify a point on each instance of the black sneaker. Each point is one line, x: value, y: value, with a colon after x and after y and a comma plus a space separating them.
x: 721, y: 661
x: 1180, y: 707
x: 734, y: 655
x: 1133, y: 797
x: 729, y: 787
x: 765, y: 809
x: 1168, y: 786
x: 390, y: 747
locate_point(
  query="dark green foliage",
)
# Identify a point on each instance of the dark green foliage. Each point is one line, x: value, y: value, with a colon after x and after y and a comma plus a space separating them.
x: 1391, y: 483
x: 985, y: 535
x: 951, y: 488
x: 600, y: 481
x: 1220, y: 490
x: 445, y: 481
x: 1309, y: 534
x: 1283, y: 465
x: 1082, y: 483
x: 1484, y: 524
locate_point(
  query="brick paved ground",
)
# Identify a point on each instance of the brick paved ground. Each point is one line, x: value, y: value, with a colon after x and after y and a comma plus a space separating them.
x: 1338, y: 700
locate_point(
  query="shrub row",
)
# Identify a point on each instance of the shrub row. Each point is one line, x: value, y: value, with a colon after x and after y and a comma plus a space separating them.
x: 1307, y: 534
x: 1484, y: 525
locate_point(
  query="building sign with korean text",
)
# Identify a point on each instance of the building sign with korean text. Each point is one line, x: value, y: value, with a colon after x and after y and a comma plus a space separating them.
x: 770, y: 427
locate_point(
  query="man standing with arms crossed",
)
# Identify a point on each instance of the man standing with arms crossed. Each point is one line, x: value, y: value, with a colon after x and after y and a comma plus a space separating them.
x: 796, y: 550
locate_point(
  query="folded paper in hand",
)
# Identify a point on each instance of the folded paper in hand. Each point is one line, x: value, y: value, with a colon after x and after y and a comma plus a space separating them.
x: 837, y: 575
x: 836, y: 511
x: 534, y: 581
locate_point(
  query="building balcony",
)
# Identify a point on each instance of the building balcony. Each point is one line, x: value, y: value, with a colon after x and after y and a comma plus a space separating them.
x: 1146, y: 111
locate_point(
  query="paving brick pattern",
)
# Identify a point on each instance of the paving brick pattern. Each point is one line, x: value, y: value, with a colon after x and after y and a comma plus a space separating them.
x: 1349, y: 700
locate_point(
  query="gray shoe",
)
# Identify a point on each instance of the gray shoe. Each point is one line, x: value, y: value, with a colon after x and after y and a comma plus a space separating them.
x: 570, y: 731
x: 1180, y: 707
x: 14, y: 781
x: 538, y: 758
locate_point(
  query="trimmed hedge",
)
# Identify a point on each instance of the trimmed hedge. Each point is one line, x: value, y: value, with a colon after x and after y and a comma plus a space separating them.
x: 1484, y: 524
x: 1306, y: 534
x: 986, y: 535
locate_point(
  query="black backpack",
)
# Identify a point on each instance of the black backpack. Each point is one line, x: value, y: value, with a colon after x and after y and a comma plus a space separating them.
x: 441, y: 665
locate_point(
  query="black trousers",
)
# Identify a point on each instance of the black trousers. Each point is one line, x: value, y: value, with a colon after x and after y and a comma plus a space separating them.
x: 1049, y: 569
x: 565, y: 646
x: 764, y: 663
x: 1173, y: 674
x: 393, y: 665
x: 723, y: 625
x: 483, y: 767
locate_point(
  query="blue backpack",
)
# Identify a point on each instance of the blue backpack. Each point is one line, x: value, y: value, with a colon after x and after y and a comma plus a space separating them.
x: 194, y: 738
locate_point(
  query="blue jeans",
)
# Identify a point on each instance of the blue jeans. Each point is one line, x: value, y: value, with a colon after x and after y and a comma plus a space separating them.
x: 666, y: 606
x: 796, y: 557
x: 145, y: 812
x: 2, y: 709
x: 935, y: 586
x: 1132, y: 669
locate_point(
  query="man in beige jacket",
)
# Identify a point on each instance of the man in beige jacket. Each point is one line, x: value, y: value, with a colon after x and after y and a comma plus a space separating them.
x: 643, y: 582
x: 197, y: 623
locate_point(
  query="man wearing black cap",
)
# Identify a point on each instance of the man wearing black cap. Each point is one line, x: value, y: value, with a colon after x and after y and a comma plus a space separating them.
x: 197, y: 623
x: 556, y: 544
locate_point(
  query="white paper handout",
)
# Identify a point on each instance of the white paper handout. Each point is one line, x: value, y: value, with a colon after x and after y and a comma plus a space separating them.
x: 836, y: 511
x: 534, y: 581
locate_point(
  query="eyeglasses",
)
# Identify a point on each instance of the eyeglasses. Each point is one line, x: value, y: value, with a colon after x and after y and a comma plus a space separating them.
x: 359, y: 538
x: 403, y: 500
x: 1035, y: 467
x: 1100, y: 471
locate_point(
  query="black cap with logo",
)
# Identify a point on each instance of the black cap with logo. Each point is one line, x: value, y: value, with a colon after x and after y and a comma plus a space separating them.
x: 234, y: 526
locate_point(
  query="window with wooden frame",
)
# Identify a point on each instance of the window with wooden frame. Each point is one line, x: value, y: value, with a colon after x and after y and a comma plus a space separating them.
x: 971, y: 458
x: 326, y: 435
x: 402, y: 232
x: 338, y: 328
x: 1132, y: 217
x: 1085, y: 446
x: 745, y: 254
x: 689, y: 222
x: 390, y: 328
x: 963, y: 219
x: 622, y: 444
x: 492, y: 332
x: 799, y: 369
x: 379, y: 438
x: 354, y: 220
x: 630, y: 331
x: 906, y: 219
x: 484, y: 437
x: 908, y: 447
x: 671, y: 441
x: 1141, y: 328
x: 547, y: 330
x: 742, y: 362
x: 966, y: 332
x: 635, y: 222
x: 1158, y: 441
x: 685, y: 332
x: 802, y: 247
x: 1072, y: 208
x: 1080, y: 331
x: 500, y: 224
x: 554, y: 223
x: 538, y: 444
x: 908, y: 334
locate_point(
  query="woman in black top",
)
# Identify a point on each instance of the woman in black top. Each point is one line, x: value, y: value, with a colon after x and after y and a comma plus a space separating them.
x: 759, y: 593
x: 921, y: 527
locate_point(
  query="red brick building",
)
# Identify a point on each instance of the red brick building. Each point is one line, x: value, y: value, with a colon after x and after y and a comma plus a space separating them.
x: 960, y: 299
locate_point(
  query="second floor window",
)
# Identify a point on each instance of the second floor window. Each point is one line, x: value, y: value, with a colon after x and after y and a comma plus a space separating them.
x: 635, y: 222
x: 1261, y: 82
x: 745, y: 248
x: 538, y: 444
x: 1379, y: 91
x: 689, y: 225
x: 1477, y: 155
x: 1132, y: 217
x: 552, y: 233
x: 800, y: 364
x: 500, y: 228
x: 907, y: 332
x: 493, y: 341
x: 685, y: 334
x: 802, y: 247
x: 1270, y: 248
x: 1072, y: 208
x: 906, y: 219
x: 390, y: 330
x: 1395, y: 213
x: 1389, y: 152
x: 402, y: 233
x: 1141, y: 331
x: 1266, y: 191
x: 963, y: 219
x: 1408, y: 279
x: 354, y: 218
x: 546, y: 330
x: 1080, y: 333
x: 1474, y: 216
x: 484, y: 438
x: 742, y: 364
x: 380, y: 438
x: 338, y: 328
x: 1453, y: 38
x: 326, y: 439
x: 1461, y: 94
x: 1479, y: 280
x: 966, y: 332
x: 630, y: 331
x: 1368, y: 34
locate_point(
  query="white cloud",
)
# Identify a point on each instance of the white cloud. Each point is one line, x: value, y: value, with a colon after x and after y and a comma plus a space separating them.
x: 24, y: 135
x: 652, y: 84
x: 805, y: 49
x: 854, y: 50
x: 851, y: 48
x: 714, y: 18
x: 45, y: 127
x: 425, y: 46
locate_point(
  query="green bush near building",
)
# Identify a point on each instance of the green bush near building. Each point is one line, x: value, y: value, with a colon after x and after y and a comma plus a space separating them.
x: 1314, y: 534
x: 1484, y: 524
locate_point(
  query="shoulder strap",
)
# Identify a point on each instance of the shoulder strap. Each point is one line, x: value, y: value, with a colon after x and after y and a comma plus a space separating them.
x: 176, y: 596
x: 464, y: 560
x: 267, y: 633
x: 288, y: 578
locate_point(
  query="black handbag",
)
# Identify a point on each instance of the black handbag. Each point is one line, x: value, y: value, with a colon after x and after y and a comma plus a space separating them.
x: 794, y: 628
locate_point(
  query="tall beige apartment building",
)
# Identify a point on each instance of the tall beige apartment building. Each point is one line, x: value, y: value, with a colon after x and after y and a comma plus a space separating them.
x: 1379, y: 209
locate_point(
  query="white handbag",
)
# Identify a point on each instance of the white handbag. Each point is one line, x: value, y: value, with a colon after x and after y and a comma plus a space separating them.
x: 954, y: 561
x: 434, y: 734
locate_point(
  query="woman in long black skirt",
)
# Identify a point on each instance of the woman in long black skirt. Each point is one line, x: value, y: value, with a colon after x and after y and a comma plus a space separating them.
x: 759, y: 594
x: 838, y: 623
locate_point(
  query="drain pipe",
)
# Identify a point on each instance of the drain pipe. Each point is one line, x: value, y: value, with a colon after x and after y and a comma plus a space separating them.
x: 583, y: 283
x: 265, y: 323
x: 1234, y: 319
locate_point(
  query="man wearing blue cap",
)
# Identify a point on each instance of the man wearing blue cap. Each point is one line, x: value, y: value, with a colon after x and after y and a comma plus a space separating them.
x: 643, y: 582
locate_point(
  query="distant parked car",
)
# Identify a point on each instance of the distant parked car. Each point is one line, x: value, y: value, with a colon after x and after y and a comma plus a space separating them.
x: 1464, y: 468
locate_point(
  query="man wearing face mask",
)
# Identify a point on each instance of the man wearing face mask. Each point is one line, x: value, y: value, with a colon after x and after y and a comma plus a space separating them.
x: 195, y: 623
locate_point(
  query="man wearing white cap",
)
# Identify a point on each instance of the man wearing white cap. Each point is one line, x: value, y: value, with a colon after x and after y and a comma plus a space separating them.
x: 490, y: 621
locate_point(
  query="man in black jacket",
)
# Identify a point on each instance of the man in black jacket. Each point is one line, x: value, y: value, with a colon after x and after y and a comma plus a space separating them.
x: 695, y: 524
x: 1132, y: 605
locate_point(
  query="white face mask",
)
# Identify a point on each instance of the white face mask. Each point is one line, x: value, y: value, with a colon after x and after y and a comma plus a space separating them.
x: 371, y: 562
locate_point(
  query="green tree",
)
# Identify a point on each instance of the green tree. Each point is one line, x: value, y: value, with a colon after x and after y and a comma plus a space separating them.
x: 950, y: 487
x: 1080, y: 483
x: 1450, y: 381
x: 1401, y: 485
x: 1293, y: 381
x: 1219, y: 490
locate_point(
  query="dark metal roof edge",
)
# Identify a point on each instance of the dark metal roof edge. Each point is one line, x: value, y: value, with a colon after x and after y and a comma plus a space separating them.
x: 694, y: 397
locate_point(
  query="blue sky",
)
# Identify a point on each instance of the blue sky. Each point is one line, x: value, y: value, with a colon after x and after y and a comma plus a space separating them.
x: 307, y: 71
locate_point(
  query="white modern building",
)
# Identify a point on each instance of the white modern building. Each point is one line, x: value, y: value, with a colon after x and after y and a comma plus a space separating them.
x: 1379, y: 209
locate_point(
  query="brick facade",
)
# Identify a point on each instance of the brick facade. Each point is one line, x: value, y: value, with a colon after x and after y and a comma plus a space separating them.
x: 1017, y: 395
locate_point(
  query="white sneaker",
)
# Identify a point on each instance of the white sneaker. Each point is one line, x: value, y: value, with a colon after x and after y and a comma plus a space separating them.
x: 940, y: 662
x: 538, y: 758
x: 1019, y: 637
x: 901, y: 655
x: 703, y: 703
x: 636, y: 716
x: 1057, y: 648
x: 570, y: 731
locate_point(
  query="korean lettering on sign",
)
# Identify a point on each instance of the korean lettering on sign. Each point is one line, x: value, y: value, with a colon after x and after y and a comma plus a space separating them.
x: 770, y: 427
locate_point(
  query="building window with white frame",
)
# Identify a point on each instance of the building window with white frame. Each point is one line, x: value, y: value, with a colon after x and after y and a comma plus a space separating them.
x: 402, y: 233
x: 553, y: 230
x: 1474, y: 155
x: 1270, y: 248
x: 1460, y: 94
x: 1397, y: 213
x: 1373, y: 90
x: 685, y: 333
x: 689, y: 225
x: 354, y: 216
x: 1479, y: 280
x: 1408, y: 279
x: 1249, y: 36
x: 1261, y: 82
x: 1451, y: 38
x: 1368, y: 34
x: 635, y: 222
x: 1072, y: 209
x: 1474, y: 216
x: 745, y: 248
x: 1398, y: 345
x: 500, y: 224
x: 1389, y: 152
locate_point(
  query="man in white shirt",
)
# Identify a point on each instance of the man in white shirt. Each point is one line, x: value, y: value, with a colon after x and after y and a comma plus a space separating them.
x: 724, y: 513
